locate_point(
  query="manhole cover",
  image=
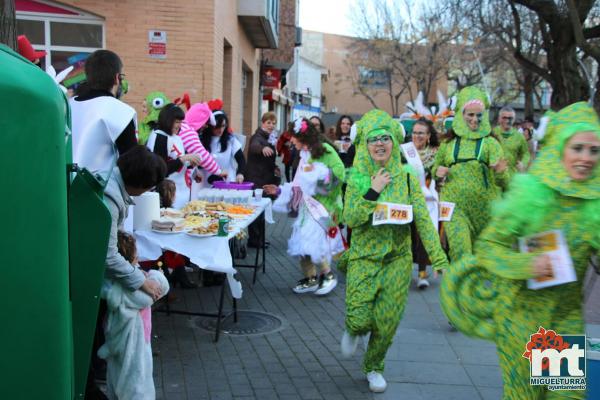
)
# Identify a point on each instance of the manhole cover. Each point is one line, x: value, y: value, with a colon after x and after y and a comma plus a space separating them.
x: 248, y: 323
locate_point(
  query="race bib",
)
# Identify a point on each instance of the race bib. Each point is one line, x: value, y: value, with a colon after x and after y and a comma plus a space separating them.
x: 391, y: 213
x: 446, y: 210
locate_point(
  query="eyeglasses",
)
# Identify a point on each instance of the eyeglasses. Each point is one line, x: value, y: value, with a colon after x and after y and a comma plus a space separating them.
x: 385, y: 139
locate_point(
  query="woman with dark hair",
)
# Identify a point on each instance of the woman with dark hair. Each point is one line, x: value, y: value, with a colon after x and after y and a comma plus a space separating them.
x: 424, y: 138
x: 315, y: 196
x: 346, y: 149
x: 225, y: 149
x: 165, y: 142
x: 317, y: 122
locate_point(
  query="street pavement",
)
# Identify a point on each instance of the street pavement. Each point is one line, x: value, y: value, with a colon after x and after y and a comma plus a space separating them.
x: 302, y: 360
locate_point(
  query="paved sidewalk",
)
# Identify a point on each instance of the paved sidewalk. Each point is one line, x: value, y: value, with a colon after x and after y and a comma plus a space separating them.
x: 302, y: 360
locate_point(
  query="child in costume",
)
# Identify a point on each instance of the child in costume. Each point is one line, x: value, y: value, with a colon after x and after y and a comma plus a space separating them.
x: 463, y: 163
x: 153, y: 103
x: 379, y: 262
x: 560, y: 192
x: 127, y: 349
x: 315, y: 195
x: 197, y: 118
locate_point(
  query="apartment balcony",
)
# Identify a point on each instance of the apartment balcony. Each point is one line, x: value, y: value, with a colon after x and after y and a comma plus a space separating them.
x: 260, y: 20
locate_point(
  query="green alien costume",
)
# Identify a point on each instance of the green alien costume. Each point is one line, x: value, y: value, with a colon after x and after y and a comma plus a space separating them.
x: 470, y: 184
x: 379, y: 260
x: 505, y: 310
x: 154, y: 101
x: 515, y: 148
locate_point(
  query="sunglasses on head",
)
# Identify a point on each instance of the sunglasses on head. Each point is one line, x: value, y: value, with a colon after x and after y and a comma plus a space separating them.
x: 383, y: 139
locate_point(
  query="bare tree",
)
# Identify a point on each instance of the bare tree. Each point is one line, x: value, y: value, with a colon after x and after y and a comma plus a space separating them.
x: 548, y: 39
x: 8, y: 25
x: 400, y: 52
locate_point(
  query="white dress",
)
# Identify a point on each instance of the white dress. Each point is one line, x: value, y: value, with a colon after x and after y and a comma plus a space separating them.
x: 310, y: 229
x: 175, y: 149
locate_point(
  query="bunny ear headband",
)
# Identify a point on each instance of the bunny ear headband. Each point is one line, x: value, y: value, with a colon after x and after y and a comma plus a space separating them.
x: 300, y: 126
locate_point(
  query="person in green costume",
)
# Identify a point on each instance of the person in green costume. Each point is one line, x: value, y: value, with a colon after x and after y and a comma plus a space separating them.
x: 514, y: 144
x: 561, y: 192
x: 379, y: 262
x: 315, y: 195
x: 469, y: 165
x: 153, y: 103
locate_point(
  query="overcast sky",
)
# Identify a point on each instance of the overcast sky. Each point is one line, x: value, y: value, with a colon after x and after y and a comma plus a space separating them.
x: 329, y: 16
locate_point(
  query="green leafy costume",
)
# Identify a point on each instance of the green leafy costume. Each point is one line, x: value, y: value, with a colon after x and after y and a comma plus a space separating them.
x: 155, y: 101
x: 470, y: 183
x: 515, y: 148
x: 506, y: 311
x: 332, y: 199
x: 380, y: 259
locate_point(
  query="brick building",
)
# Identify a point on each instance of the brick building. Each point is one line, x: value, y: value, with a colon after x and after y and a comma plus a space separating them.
x: 276, y: 63
x: 208, y: 48
x: 339, y: 94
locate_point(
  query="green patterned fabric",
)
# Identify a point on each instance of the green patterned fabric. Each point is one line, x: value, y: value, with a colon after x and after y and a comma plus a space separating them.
x: 504, y: 309
x: 144, y: 128
x: 332, y: 201
x: 459, y: 125
x: 379, y: 259
x: 515, y: 148
x: 471, y: 186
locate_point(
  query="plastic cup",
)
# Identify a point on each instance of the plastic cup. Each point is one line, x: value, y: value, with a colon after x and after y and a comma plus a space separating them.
x: 258, y: 194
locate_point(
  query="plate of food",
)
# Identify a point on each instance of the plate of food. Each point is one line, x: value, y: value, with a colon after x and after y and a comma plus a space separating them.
x: 168, y: 225
x: 205, y: 230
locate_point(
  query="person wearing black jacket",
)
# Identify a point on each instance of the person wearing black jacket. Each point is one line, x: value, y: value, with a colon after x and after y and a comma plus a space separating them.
x: 261, y: 169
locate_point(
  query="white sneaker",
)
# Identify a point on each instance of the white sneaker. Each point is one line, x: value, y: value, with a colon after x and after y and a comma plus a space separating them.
x: 348, y: 344
x: 327, y: 282
x: 377, y: 383
x: 422, y: 283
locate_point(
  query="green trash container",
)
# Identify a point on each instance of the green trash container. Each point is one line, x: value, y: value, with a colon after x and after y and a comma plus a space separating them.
x: 54, y: 241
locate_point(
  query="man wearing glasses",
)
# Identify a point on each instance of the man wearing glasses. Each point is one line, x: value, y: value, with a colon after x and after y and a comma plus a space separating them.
x: 103, y: 126
x: 513, y: 142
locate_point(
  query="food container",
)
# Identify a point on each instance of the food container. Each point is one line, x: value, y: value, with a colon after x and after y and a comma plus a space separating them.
x: 233, y: 185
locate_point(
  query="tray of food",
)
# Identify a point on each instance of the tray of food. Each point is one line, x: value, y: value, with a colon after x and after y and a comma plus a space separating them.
x: 210, y: 229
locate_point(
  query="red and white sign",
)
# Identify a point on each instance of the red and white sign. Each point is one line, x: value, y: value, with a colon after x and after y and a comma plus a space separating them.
x: 157, y: 44
x: 271, y: 78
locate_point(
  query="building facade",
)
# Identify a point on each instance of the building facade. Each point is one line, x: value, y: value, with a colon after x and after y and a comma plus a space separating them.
x: 209, y: 48
x: 339, y: 90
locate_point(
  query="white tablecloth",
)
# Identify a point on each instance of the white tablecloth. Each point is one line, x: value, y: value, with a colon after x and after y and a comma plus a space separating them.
x: 210, y: 253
